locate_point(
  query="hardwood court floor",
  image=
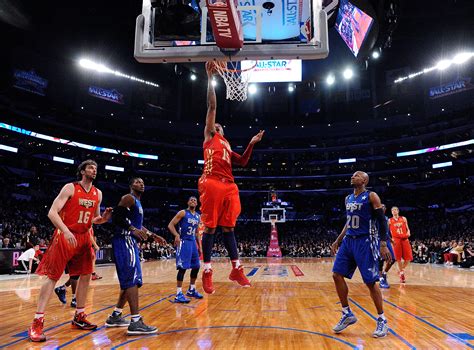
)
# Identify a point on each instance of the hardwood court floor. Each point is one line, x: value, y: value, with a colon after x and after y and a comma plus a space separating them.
x: 434, y: 310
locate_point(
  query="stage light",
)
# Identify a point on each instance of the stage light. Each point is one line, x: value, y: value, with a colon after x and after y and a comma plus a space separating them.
x: 214, y: 82
x: 375, y: 54
x: 291, y: 88
x: 63, y: 160
x: 331, y: 79
x: 348, y: 73
x: 114, y: 168
x: 193, y: 77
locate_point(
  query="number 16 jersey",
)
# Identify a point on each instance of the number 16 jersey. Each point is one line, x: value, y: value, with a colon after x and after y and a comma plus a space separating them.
x: 79, y: 210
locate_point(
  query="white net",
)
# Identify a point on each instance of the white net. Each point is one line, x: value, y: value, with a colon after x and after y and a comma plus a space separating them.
x: 236, y: 80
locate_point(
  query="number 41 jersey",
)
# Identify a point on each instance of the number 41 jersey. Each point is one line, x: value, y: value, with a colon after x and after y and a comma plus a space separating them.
x: 359, y: 214
x: 79, y: 210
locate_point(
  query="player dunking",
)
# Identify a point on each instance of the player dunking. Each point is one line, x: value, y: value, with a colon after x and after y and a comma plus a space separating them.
x: 128, y: 218
x: 188, y: 247
x: 400, y: 232
x: 360, y: 249
x: 219, y: 195
x: 385, y: 266
x: 73, y: 212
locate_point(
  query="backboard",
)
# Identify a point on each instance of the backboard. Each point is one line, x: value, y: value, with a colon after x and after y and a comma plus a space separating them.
x: 287, y: 29
x: 278, y: 214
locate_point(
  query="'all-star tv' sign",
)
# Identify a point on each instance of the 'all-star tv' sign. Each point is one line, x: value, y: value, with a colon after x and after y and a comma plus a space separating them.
x: 461, y: 84
x: 106, y: 94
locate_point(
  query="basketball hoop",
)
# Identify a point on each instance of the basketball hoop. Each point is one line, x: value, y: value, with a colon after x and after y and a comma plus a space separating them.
x: 236, y: 80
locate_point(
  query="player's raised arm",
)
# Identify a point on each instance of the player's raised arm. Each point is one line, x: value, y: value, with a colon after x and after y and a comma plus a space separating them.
x: 172, y: 226
x: 210, y: 129
x: 243, y: 159
x: 66, y: 192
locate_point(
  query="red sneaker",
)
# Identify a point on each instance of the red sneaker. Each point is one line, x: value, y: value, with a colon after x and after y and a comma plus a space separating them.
x: 402, y: 277
x: 80, y: 322
x: 35, y: 332
x: 207, y: 281
x: 238, y: 275
x: 95, y: 276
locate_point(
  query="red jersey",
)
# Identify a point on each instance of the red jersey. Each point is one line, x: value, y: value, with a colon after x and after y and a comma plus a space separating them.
x: 79, y: 210
x: 398, y: 227
x: 217, y: 158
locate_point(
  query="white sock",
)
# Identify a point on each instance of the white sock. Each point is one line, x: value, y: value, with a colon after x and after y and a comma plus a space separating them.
x: 237, y: 263
x: 39, y: 314
x: 346, y: 309
x: 382, y: 316
x: 179, y: 290
x: 118, y: 310
x: 192, y: 287
x: 207, y: 266
x: 79, y: 310
x: 135, y: 318
x: 74, y: 296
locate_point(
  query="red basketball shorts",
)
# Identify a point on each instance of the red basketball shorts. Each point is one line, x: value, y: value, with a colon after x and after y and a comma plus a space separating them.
x: 220, y: 202
x: 60, y: 253
x: 402, y: 249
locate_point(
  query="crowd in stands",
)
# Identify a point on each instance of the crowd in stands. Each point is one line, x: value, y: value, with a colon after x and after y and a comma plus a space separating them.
x: 439, y: 235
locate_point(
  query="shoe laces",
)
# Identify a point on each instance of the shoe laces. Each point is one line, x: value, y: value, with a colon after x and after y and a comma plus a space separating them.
x: 380, y: 325
x: 37, y: 324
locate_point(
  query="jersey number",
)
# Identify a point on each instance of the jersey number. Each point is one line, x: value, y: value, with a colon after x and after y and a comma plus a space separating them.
x: 352, y: 221
x: 191, y: 231
x: 84, y: 217
x: 226, y: 156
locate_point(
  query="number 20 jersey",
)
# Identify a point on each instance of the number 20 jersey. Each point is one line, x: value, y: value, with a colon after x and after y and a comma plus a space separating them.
x: 79, y: 210
x: 359, y: 214
x: 217, y: 158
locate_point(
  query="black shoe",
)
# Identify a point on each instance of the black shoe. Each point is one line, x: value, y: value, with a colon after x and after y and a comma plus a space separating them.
x: 139, y: 328
x: 116, y: 321
x: 73, y: 302
x: 61, y: 293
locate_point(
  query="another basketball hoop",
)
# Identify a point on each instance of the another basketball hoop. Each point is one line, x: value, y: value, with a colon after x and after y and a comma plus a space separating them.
x: 236, y: 79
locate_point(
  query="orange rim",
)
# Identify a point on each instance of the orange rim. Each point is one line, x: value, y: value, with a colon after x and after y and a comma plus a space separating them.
x: 234, y: 70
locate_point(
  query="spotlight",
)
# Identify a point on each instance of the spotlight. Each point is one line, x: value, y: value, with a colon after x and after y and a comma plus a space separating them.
x: 252, y: 89
x: 330, y: 79
x: 193, y: 77
x: 348, y: 73
x: 462, y: 57
x: 375, y: 54
x: 291, y: 88
x: 214, y: 82
x: 443, y: 64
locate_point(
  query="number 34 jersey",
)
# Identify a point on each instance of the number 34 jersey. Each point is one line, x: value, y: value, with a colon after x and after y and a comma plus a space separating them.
x: 188, y: 225
x: 359, y: 214
x: 79, y: 210
x: 217, y: 158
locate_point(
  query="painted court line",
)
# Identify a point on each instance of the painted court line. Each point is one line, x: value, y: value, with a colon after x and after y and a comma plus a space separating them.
x: 240, y: 327
x: 102, y: 327
x: 390, y: 329
x: 431, y: 324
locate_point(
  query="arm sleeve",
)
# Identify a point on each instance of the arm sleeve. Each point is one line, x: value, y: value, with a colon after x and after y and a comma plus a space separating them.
x: 120, y: 218
x: 243, y: 159
x: 380, y: 217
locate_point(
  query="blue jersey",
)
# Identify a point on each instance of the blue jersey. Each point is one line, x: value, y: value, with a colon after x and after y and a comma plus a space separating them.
x: 134, y: 216
x: 359, y: 214
x: 188, y: 225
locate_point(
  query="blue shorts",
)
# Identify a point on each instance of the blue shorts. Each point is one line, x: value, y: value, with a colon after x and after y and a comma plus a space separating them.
x: 357, y: 252
x: 390, y: 249
x: 127, y: 261
x: 187, y: 256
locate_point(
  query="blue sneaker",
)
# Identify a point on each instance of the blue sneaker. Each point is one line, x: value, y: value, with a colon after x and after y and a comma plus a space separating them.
x: 382, y: 328
x: 384, y: 283
x: 194, y: 294
x: 61, y: 293
x: 181, y: 299
x: 345, y: 321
